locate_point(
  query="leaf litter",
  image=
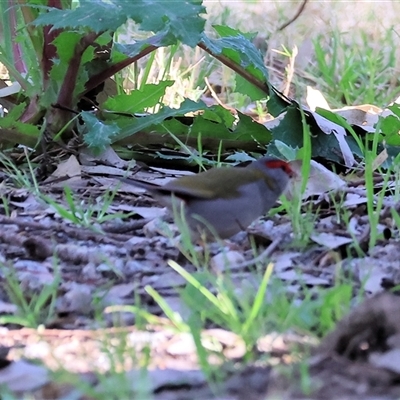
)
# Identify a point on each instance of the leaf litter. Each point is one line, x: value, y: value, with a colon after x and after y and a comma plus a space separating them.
x: 112, y: 265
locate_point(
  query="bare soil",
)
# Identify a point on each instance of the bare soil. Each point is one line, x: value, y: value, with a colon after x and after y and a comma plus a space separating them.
x: 110, y: 264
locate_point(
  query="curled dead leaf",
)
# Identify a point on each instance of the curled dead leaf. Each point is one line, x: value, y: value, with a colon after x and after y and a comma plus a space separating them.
x: 320, y: 180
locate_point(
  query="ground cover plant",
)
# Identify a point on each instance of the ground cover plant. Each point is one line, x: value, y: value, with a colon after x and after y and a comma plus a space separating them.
x: 96, y: 283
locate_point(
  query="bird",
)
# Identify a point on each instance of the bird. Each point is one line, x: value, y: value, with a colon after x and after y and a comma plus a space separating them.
x: 223, y: 201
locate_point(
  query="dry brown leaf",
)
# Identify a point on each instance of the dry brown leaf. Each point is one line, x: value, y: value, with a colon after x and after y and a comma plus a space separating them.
x: 321, y: 180
x: 316, y: 99
x: 70, y: 169
x: 330, y: 240
x: 108, y: 157
x: 331, y: 128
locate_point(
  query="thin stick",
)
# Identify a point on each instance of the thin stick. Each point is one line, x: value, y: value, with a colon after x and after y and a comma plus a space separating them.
x: 261, y: 257
x: 299, y: 11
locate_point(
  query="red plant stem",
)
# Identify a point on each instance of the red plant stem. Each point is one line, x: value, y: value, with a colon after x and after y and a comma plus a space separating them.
x: 66, y: 94
x: 110, y: 71
x: 237, y: 68
x: 49, y: 49
x: 17, y: 54
x: 95, y: 80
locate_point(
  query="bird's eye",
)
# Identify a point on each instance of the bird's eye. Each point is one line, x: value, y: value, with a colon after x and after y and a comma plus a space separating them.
x: 287, y: 169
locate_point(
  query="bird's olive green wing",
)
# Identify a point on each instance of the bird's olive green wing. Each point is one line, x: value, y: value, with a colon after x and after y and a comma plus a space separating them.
x: 214, y: 183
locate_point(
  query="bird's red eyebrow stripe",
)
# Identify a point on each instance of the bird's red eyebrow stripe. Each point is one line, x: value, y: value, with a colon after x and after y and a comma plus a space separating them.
x: 275, y: 164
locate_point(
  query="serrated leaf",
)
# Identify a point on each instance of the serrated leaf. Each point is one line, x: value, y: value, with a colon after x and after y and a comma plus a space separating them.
x: 395, y: 109
x: 239, y: 157
x: 96, y: 15
x: 66, y: 43
x: 15, y: 112
x: 148, y: 96
x: 241, y: 51
x: 141, y: 123
x: 323, y: 118
x: 10, y: 122
x: 245, y: 87
x: 224, y: 31
x: 253, y: 129
x: 170, y: 125
x: 212, y: 130
x: 98, y: 134
x: 161, y: 39
x: 276, y: 103
x: 25, y: 129
x: 246, y: 130
x: 390, y: 128
x: 331, y: 116
x: 171, y: 156
x: 180, y: 18
x: 216, y: 126
x: 290, y: 132
x: 288, y: 152
x: 219, y: 114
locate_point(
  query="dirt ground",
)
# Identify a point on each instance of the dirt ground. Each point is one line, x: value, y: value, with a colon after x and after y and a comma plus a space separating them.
x: 96, y: 267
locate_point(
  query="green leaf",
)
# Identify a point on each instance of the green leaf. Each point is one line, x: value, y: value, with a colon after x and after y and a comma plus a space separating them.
x: 289, y: 153
x: 213, y: 127
x: 290, y: 132
x: 28, y: 130
x: 219, y: 114
x: 390, y: 128
x: 245, y: 87
x: 395, y: 109
x: 224, y: 31
x: 96, y: 15
x: 141, y: 123
x: 66, y: 43
x: 252, y: 129
x: 276, y: 103
x: 161, y: 39
x: 148, y: 96
x: 10, y: 122
x: 14, y: 113
x: 241, y: 51
x: 239, y: 157
x: 246, y: 129
x: 98, y: 134
x: 331, y: 116
x: 180, y: 18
